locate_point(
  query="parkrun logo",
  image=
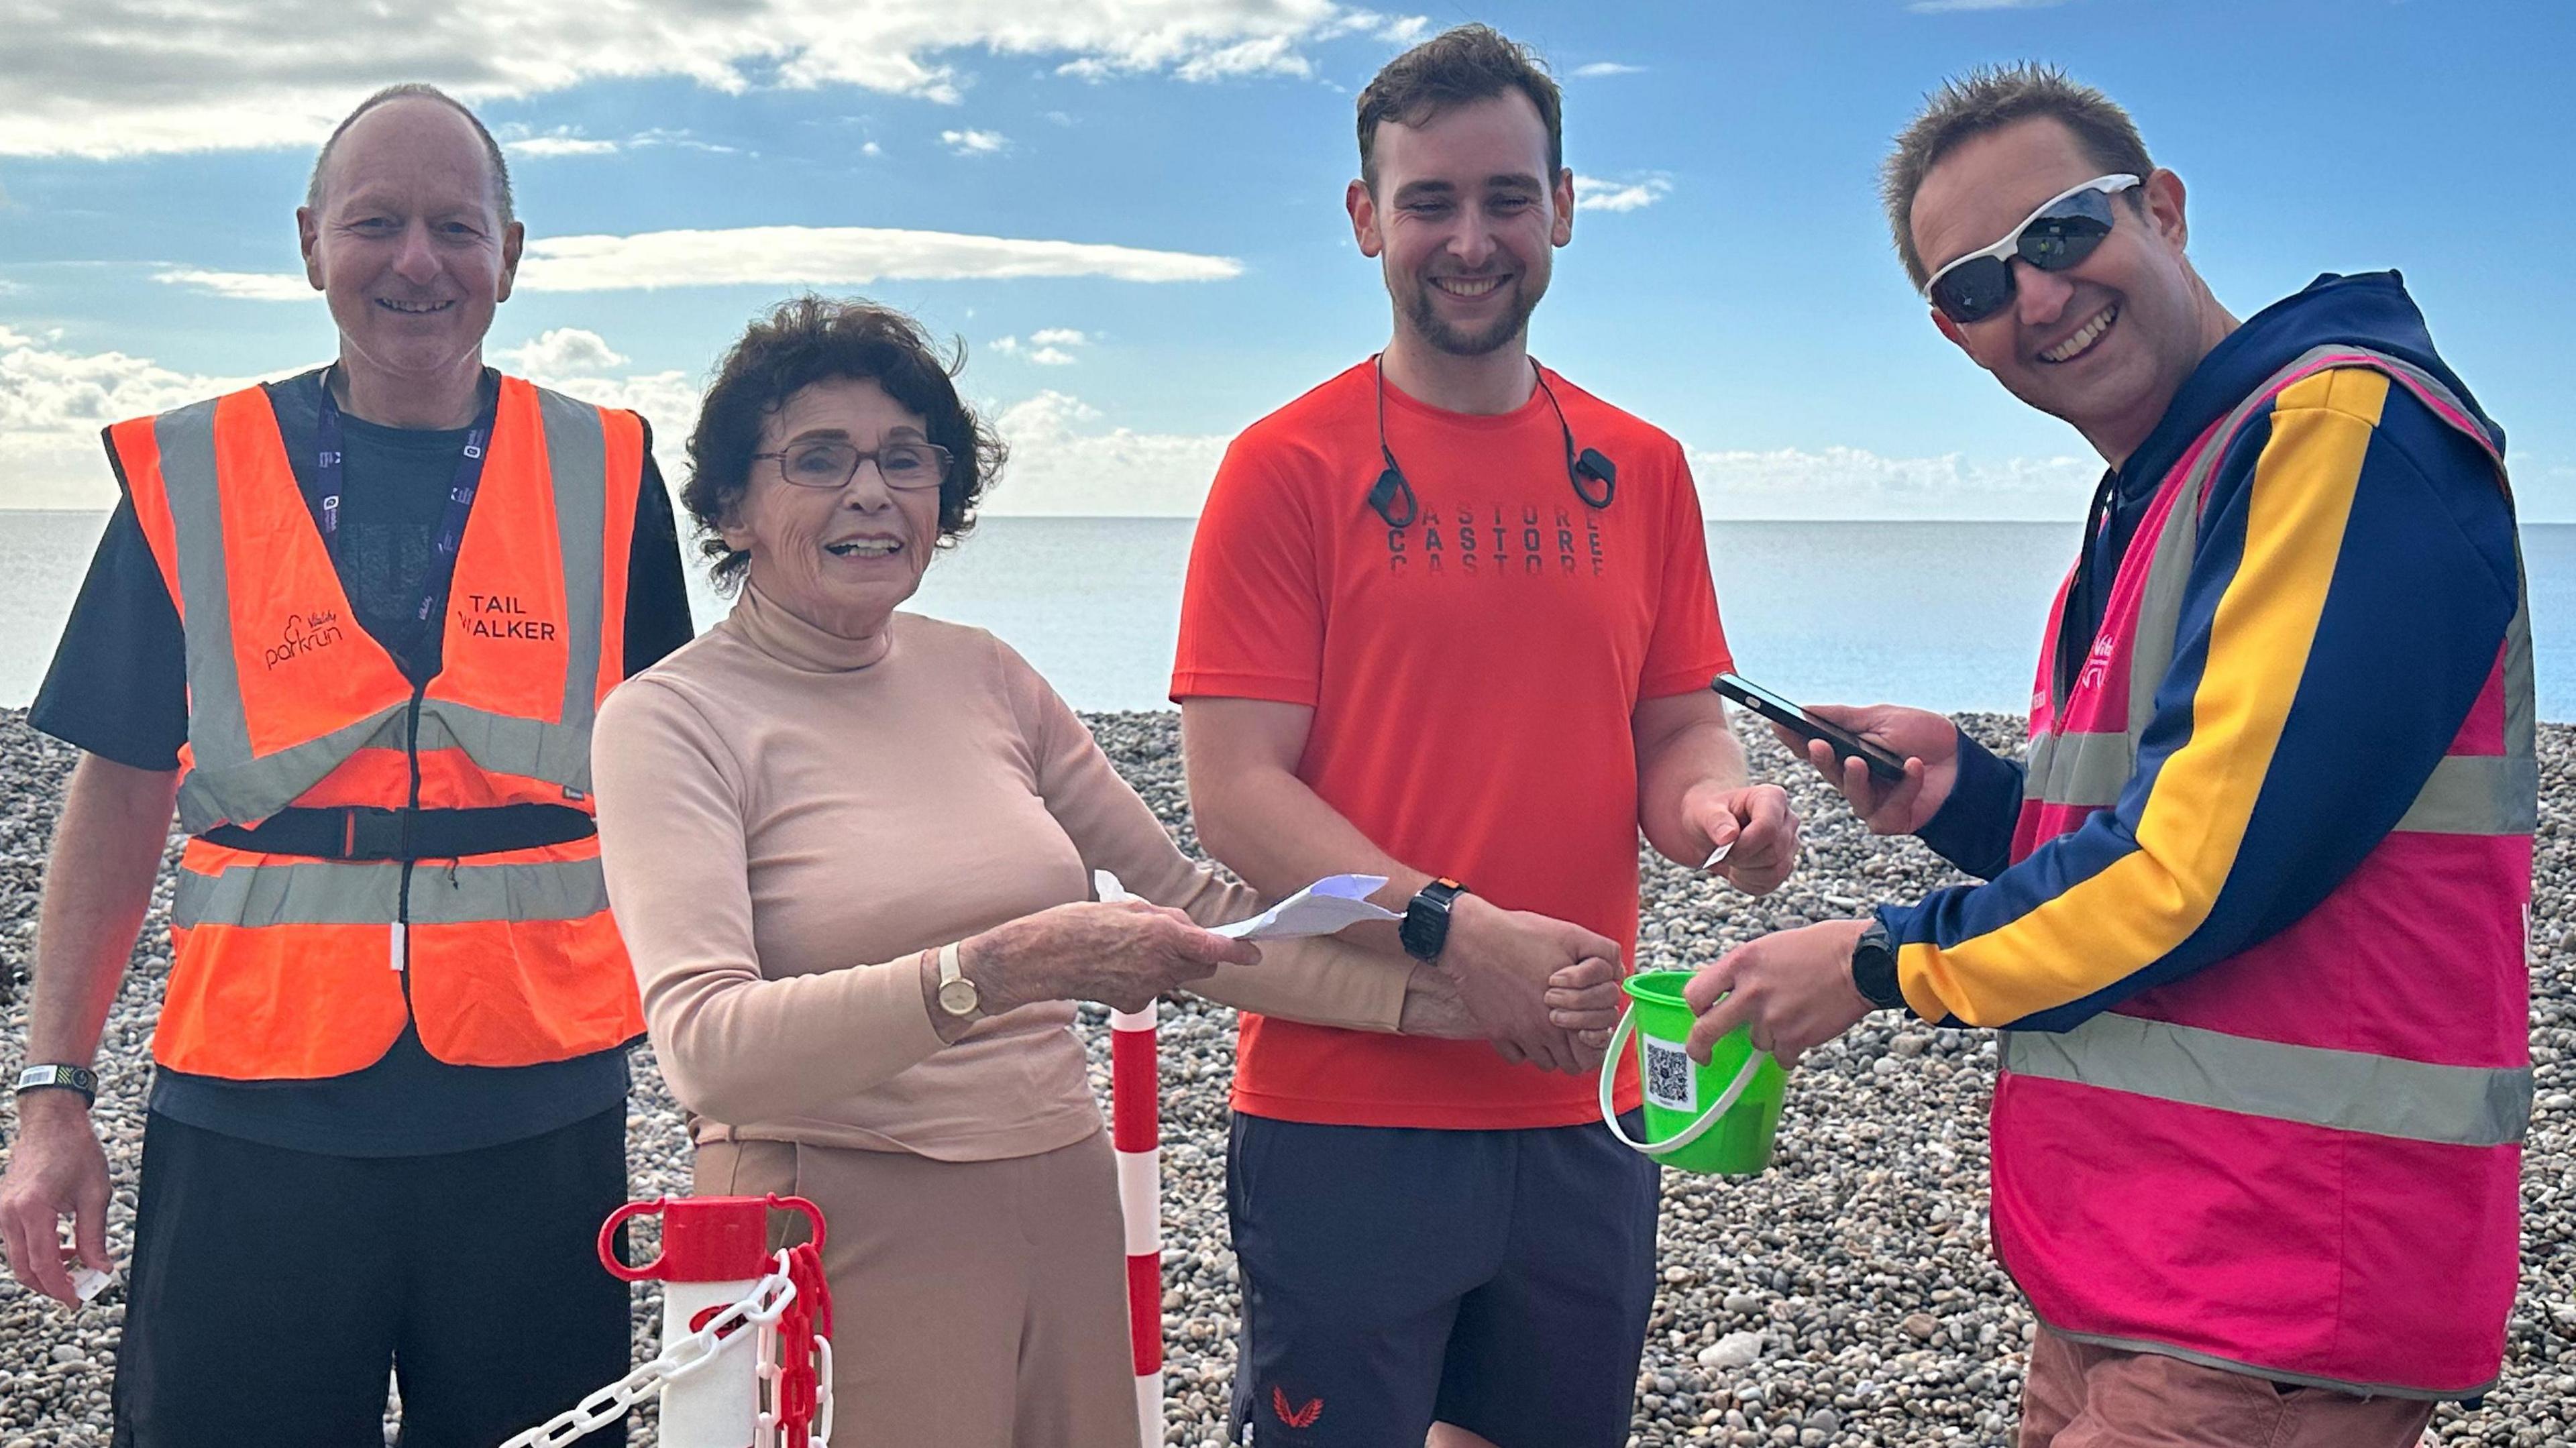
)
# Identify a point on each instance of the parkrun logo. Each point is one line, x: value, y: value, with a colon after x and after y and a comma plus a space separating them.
x: 305, y: 634
x: 501, y: 616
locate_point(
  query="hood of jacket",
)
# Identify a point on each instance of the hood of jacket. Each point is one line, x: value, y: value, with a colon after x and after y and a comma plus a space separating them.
x: 2369, y: 309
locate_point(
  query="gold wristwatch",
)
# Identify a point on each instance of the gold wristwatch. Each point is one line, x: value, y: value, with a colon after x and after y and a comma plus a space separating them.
x: 957, y: 995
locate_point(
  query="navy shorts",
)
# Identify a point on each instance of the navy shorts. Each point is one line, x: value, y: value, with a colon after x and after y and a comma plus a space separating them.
x: 1394, y: 1276
x: 272, y: 1289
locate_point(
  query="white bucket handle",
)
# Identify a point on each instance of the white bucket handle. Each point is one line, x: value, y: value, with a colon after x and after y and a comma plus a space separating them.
x: 1697, y: 1128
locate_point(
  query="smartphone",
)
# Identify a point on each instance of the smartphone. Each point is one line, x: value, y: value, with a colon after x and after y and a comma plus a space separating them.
x: 1885, y: 766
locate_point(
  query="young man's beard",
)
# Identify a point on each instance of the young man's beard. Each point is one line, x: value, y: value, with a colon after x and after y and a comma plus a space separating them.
x: 1440, y: 336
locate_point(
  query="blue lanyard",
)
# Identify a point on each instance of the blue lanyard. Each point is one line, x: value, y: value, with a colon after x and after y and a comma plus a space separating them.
x: 460, y: 494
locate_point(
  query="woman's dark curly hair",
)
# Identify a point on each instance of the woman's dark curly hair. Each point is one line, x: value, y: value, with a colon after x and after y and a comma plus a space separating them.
x: 815, y: 339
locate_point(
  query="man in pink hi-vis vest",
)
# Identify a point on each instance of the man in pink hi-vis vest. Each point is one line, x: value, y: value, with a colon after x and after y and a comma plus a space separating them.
x: 2253, y: 907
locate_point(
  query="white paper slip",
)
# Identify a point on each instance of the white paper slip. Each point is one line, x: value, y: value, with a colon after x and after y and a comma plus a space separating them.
x: 89, y: 1282
x: 1335, y: 902
x: 1720, y: 853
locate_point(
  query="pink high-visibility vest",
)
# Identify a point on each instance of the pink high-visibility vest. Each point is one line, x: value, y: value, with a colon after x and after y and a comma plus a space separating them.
x: 2301, y: 1162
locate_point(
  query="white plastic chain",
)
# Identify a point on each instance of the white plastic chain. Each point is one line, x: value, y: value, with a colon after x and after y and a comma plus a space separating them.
x: 760, y: 1308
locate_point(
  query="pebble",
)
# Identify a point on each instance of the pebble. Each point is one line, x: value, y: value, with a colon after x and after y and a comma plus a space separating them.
x: 1848, y: 1296
x: 1735, y: 1350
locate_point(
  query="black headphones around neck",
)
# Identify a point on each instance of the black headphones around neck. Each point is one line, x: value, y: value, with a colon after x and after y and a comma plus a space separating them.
x: 1589, y: 466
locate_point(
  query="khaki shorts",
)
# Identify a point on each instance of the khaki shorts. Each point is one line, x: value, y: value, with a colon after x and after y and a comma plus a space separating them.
x: 2083, y: 1396
x: 975, y: 1304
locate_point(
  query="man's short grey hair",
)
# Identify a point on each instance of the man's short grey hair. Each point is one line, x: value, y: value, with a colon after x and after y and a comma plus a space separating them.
x: 1990, y: 98
x: 407, y: 91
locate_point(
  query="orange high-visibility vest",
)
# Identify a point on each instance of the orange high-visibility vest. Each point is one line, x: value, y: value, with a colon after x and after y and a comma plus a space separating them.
x: 364, y: 851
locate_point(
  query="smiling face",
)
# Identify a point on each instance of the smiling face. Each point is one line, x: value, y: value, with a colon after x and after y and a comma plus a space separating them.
x: 407, y: 243
x: 1464, y: 219
x: 839, y: 558
x: 2104, y: 344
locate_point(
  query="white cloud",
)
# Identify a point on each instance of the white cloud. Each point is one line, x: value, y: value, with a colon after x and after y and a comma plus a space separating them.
x: 53, y: 401
x: 1270, y: 50
x: 131, y: 76
x: 1046, y: 346
x: 248, y: 286
x: 1064, y: 464
x: 1848, y: 483
x: 562, y: 352
x: 782, y: 256
x: 872, y: 149
x: 1600, y: 68
x: 1592, y: 193
x: 975, y: 143
x: 559, y: 143
x: 682, y: 139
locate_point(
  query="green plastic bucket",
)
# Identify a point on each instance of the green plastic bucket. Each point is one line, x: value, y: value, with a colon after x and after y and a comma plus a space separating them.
x: 1714, y: 1118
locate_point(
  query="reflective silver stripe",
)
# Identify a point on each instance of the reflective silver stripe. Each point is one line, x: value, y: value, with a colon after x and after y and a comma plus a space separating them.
x: 2086, y: 770
x: 2477, y: 794
x: 2160, y: 608
x: 577, y: 461
x: 507, y: 744
x: 251, y: 791
x: 218, y: 734
x: 2343, y: 1090
x: 2305, y: 1380
x: 2521, y: 742
x: 324, y: 892
x: 2038, y: 758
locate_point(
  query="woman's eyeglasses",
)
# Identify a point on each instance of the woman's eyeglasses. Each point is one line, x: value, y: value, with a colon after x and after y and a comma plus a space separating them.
x: 2053, y: 238
x: 903, y: 465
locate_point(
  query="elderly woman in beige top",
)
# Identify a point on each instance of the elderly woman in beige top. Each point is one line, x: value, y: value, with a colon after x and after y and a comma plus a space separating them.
x: 804, y: 810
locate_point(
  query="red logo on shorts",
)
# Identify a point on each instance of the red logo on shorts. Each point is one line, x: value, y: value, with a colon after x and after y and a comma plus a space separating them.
x: 1295, y: 1417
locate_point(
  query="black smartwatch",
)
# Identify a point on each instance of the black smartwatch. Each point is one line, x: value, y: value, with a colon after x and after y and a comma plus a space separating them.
x: 1873, y: 967
x: 1426, y: 920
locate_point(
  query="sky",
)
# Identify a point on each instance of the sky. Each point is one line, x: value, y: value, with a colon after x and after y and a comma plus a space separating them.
x: 1130, y: 211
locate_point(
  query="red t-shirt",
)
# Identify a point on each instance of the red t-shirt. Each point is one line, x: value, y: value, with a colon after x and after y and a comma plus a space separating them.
x: 1472, y: 678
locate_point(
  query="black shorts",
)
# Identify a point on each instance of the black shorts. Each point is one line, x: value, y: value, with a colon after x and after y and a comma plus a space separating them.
x: 1394, y: 1276
x: 271, y: 1290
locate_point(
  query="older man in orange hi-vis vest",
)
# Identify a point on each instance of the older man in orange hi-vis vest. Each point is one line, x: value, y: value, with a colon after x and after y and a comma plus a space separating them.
x: 355, y: 626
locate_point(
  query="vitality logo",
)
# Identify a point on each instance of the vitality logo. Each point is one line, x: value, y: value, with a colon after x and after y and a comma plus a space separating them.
x: 304, y: 634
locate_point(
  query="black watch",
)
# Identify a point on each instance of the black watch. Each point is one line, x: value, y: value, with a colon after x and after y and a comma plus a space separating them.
x: 1426, y: 920
x: 1873, y: 967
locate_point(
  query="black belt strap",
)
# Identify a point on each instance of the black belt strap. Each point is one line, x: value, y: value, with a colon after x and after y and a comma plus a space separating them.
x: 407, y: 834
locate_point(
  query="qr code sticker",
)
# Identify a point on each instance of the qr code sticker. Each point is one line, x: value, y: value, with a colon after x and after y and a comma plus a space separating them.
x: 1670, y: 1081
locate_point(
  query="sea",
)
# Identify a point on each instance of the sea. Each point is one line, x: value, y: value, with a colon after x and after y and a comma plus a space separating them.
x: 1944, y: 616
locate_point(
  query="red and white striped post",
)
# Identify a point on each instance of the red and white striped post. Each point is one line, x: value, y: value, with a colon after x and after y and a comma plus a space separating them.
x: 1136, y: 1131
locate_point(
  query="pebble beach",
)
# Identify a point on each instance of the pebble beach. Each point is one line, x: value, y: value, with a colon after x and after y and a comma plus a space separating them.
x: 1846, y: 1296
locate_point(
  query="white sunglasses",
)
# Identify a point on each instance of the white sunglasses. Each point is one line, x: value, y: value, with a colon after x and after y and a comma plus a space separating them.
x: 2063, y: 231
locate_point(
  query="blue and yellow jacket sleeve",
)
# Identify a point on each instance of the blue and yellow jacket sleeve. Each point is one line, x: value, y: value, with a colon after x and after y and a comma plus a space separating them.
x: 2355, y: 577
x: 1973, y: 829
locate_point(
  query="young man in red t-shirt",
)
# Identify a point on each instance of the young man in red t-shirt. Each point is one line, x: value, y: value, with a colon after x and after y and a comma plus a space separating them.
x: 1449, y: 619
